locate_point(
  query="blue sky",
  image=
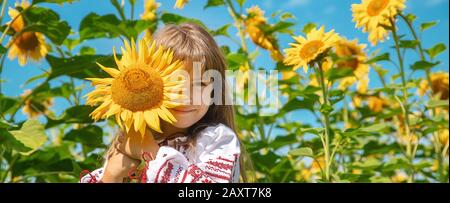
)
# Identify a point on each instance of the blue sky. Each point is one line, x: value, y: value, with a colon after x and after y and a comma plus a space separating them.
x: 333, y: 14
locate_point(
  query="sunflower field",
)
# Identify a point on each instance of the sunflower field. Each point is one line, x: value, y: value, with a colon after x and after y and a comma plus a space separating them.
x: 367, y: 109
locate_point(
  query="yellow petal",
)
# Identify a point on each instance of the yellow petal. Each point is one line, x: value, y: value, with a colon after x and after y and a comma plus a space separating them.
x: 111, y: 71
x: 152, y: 120
x: 101, y: 81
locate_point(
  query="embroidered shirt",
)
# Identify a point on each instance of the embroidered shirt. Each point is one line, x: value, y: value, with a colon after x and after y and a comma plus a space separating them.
x: 214, y: 158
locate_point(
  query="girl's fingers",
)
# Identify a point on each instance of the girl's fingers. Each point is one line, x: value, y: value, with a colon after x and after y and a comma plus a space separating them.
x: 121, y: 137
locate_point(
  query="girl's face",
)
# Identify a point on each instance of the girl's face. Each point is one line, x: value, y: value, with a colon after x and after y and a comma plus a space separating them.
x: 189, y: 114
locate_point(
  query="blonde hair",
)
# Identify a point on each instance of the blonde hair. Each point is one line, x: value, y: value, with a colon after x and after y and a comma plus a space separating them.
x: 191, y: 43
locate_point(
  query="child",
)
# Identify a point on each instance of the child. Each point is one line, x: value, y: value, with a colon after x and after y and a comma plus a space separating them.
x: 201, y: 146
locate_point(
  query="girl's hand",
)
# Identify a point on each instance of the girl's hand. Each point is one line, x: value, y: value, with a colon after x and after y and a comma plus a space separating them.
x: 118, y: 167
x: 134, y: 144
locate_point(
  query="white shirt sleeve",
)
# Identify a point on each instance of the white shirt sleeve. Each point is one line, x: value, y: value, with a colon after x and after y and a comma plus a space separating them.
x: 214, y: 159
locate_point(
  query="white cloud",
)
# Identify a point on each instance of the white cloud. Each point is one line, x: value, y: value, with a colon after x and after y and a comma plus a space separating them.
x: 434, y: 2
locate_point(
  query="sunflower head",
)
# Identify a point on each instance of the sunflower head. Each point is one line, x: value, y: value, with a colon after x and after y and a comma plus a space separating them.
x: 352, y: 55
x: 254, y: 20
x: 27, y: 44
x: 180, y: 4
x: 376, y: 104
x: 141, y: 90
x: 443, y: 136
x: 35, y: 106
x: 307, y: 50
x: 439, y: 85
x: 372, y: 14
x: 150, y: 8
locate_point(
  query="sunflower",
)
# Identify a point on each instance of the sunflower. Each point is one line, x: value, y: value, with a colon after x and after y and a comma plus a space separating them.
x: 371, y: 14
x: 180, y: 3
x: 254, y: 20
x: 141, y: 90
x: 326, y: 65
x: 439, y: 85
x: 443, y: 136
x: 306, y: 50
x: 376, y: 104
x: 27, y: 44
x: 353, y: 56
x: 150, y: 7
x: 34, y: 107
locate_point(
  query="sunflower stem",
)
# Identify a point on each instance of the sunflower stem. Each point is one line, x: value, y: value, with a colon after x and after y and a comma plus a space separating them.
x: 421, y: 51
x: 409, y: 149
x: 325, y: 115
x: 239, y: 26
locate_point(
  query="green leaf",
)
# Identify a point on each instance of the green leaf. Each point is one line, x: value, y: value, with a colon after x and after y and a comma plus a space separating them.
x: 6, y: 124
x: 171, y: 18
x: 6, y: 104
x: 381, y: 57
x: 375, y: 128
x: 214, y: 3
x: 286, y: 15
x: 283, y: 140
x: 297, y: 104
x: 79, y: 66
x: 411, y: 17
x: 90, y: 135
x: 326, y: 109
x: 428, y: 25
x: 436, y: 50
x: 76, y: 114
x: 408, y: 44
x: 2, y: 49
x: 47, y: 22
x: 281, y: 26
x: 95, y: 26
x: 303, y: 151
x: 437, y: 103
x: 241, y: 2
x: 308, y: 27
x: 221, y: 31
x: 85, y: 50
x: 236, y: 59
x: 423, y: 65
x: 31, y: 135
x: 336, y: 96
x: 337, y: 73
x: 109, y: 26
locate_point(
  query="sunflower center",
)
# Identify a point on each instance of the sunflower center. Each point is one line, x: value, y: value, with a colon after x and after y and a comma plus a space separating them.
x: 349, y: 63
x: 376, y: 6
x: 311, y: 48
x: 350, y: 54
x: 137, y: 89
x: 439, y: 86
x: 27, y: 41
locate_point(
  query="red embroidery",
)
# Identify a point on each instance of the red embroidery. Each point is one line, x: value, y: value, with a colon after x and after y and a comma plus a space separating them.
x: 224, y: 159
x: 184, y: 176
x: 218, y: 176
x: 166, y: 176
x: 195, y: 172
x: 160, y: 168
x: 93, y: 178
x: 220, y: 165
x: 216, y: 170
x: 177, y: 174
